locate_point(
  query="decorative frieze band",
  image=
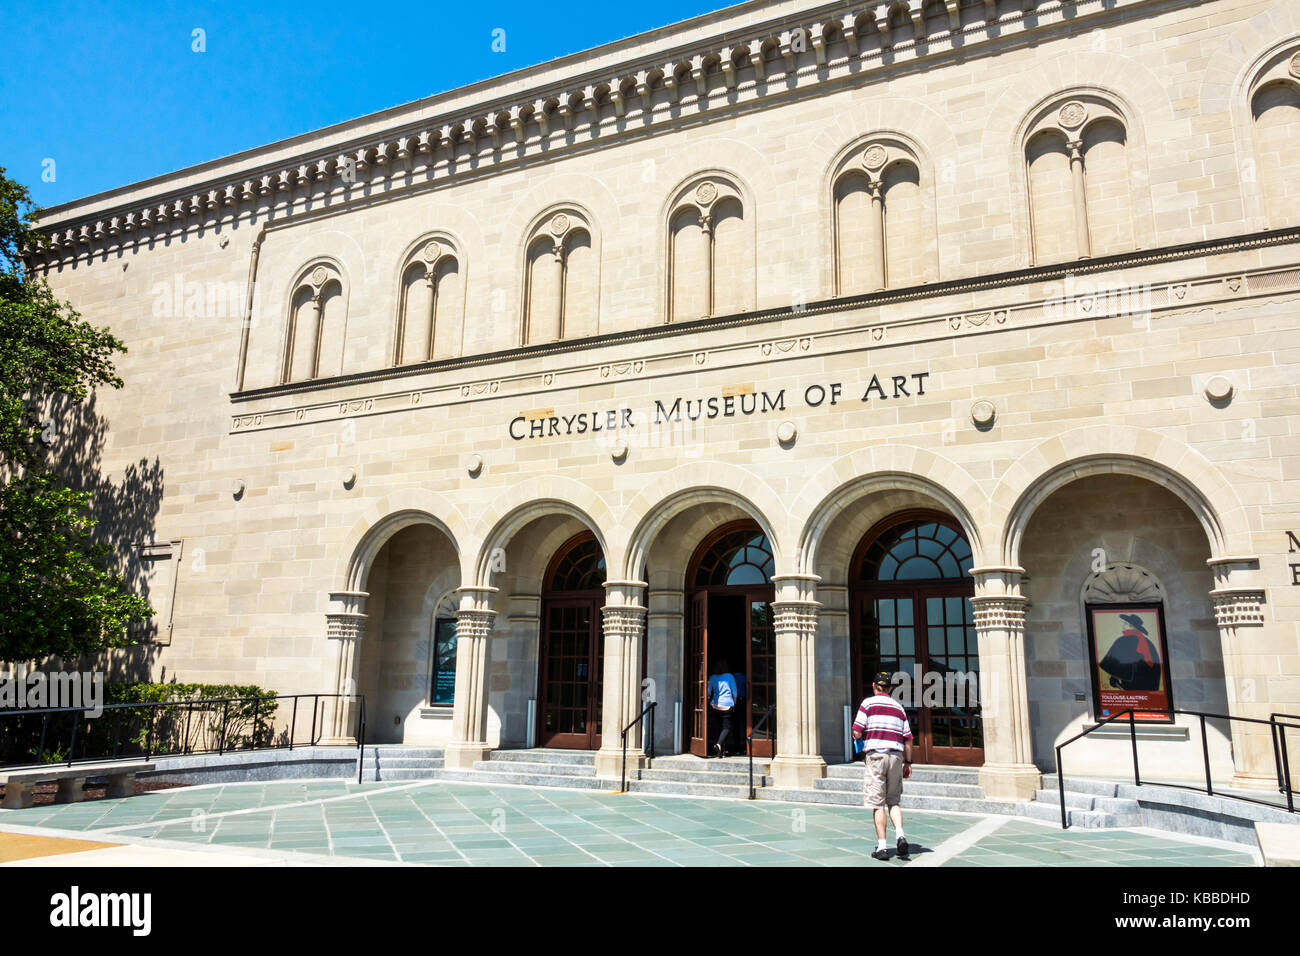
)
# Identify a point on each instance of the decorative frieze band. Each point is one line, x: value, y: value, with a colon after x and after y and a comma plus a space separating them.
x: 630, y: 97
x: 843, y: 336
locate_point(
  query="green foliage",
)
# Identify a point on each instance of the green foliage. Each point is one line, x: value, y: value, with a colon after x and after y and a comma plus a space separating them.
x: 58, y: 594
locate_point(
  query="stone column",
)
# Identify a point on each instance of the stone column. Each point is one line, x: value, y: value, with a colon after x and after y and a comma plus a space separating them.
x: 474, y: 622
x: 1081, y: 233
x: 623, y: 619
x: 1009, y: 772
x: 877, y: 235
x: 798, y: 760
x: 345, y: 623
x: 706, y: 227
x: 1239, y: 612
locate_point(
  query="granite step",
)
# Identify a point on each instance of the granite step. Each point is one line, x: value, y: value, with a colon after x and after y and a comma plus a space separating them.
x: 544, y: 755
x: 556, y: 768
x: 729, y: 790
x: 1100, y: 788
x: 690, y: 762
x: 911, y: 785
x: 921, y: 773
x: 1084, y: 819
x: 405, y: 773
x: 398, y: 750
x: 566, y: 781
x: 732, y: 778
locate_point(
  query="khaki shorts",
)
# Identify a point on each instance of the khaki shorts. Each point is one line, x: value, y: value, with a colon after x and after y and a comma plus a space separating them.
x: 884, y: 779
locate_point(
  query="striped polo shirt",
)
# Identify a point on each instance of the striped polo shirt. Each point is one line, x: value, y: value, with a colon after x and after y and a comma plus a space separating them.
x: 883, y: 723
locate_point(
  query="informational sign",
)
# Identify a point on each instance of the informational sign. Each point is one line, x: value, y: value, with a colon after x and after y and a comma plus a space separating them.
x: 1129, y: 659
x: 443, y: 690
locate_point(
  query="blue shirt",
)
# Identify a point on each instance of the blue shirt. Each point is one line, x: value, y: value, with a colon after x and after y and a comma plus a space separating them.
x: 718, y: 680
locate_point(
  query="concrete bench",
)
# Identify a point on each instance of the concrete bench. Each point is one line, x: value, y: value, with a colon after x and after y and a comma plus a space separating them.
x: 19, y: 784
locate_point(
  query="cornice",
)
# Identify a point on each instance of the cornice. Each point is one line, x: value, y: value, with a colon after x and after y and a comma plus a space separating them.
x: 818, y: 48
x: 687, y: 330
x: 603, y: 360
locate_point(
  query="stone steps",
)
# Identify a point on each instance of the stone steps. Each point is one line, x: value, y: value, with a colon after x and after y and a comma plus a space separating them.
x: 569, y: 781
x: 558, y: 768
x: 918, y: 787
x: 734, y: 778
x: 1083, y: 818
x: 689, y: 789
x: 396, y: 762
x: 545, y: 755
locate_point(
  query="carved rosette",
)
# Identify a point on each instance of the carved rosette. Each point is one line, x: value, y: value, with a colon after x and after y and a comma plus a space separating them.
x: 705, y: 193
x: 1295, y: 66
x: 1001, y: 611
x: 1072, y: 115
x: 874, y: 157
x: 1238, y: 607
x: 559, y: 224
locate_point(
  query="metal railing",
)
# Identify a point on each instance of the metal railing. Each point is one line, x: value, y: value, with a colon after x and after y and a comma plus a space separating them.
x: 149, y: 729
x: 749, y: 746
x: 650, y: 751
x: 1277, y: 728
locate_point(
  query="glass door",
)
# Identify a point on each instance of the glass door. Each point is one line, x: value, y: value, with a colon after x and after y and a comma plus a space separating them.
x: 761, y: 692
x: 571, y: 679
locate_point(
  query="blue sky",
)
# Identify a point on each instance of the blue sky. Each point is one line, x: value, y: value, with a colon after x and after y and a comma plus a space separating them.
x: 113, y: 92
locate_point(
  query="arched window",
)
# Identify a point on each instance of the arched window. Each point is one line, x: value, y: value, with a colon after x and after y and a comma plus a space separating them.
x: 739, y: 557
x: 561, y: 288
x: 580, y: 568
x: 710, y: 252
x: 313, y: 345
x: 879, y: 209
x: 1275, y: 120
x: 917, y: 550
x: 1079, y: 176
x: 431, y: 305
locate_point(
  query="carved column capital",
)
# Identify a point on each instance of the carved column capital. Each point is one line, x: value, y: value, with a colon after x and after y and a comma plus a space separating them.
x: 1000, y: 611
x: 1238, y: 607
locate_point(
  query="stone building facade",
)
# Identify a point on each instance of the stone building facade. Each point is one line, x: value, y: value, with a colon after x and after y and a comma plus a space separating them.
x: 688, y: 344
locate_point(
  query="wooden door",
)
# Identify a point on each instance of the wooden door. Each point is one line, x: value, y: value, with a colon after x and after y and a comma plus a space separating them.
x: 696, y: 675
x: 760, y: 666
x: 572, y: 650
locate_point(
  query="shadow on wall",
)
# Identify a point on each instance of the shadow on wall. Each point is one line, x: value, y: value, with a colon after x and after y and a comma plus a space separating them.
x: 125, y: 511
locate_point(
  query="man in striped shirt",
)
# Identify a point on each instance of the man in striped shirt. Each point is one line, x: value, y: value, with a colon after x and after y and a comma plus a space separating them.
x: 882, y: 727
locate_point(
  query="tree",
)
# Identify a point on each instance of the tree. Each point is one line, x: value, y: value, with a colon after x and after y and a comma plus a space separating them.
x: 60, y: 596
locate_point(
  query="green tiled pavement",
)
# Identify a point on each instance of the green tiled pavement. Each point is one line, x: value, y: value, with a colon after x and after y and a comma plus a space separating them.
x: 445, y: 824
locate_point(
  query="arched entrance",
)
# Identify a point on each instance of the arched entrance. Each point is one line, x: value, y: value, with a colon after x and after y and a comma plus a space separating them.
x: 729, y: 616
x: 910, y: 592
x: 572, y: 646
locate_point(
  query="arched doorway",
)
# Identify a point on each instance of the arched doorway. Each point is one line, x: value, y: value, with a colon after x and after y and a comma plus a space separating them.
x: 572, y: 646
x: 910, y: 591
x: 729, y: 601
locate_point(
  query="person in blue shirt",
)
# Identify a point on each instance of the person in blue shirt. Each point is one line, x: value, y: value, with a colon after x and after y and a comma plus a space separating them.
x: 722, y: 698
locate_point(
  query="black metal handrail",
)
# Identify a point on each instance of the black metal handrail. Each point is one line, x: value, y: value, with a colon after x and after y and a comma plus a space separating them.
x: 361, y: 738
x: 1276, y: 727
x: 114, y: 747
x: 749, y: 746
x: 648, y: 709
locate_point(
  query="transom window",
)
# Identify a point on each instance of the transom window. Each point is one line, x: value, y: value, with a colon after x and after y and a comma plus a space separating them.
x: 582, y: 568
x: 917, y: 550
x: 738, y: 557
